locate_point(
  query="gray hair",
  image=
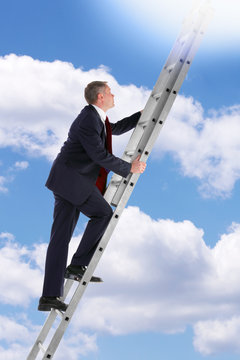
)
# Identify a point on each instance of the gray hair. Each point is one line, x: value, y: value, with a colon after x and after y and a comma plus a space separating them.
x: 93, y: 89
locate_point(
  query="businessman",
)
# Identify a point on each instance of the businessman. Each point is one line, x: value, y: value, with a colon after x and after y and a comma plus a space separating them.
x: 78, y: 180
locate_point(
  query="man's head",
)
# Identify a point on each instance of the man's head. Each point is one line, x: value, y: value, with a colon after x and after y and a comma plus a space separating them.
x: 99, y: 93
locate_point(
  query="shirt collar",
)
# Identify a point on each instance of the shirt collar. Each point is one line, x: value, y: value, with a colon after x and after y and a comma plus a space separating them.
x: 101, y: 113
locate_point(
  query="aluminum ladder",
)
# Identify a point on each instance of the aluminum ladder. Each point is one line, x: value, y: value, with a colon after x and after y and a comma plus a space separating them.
x: 141, y: 143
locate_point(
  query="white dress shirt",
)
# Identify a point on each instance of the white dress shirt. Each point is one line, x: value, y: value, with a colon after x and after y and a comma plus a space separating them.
x: 101, y: 113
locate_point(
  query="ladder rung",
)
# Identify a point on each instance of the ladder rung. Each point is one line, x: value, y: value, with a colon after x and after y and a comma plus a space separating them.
x: 59, y: 312
x: 129, y: 152
x: 41, y: 347
x: 115, y: 182
x: 170, y: 67
x: 183, y: 38
x: 157, y: 96
x: 143, y: 123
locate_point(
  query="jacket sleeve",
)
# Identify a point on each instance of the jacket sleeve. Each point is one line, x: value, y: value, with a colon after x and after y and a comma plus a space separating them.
x: 125, y: 124
x: 89, y: 135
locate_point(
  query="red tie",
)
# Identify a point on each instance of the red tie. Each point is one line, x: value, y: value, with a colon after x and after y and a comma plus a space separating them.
x: 102, y: 177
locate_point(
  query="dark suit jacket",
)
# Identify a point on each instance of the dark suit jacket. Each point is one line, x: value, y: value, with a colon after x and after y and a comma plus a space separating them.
x: 75, y: 170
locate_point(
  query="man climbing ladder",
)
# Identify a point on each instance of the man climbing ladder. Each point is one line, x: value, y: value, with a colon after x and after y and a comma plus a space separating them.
x: 123, y: 182
x: 78, y: 180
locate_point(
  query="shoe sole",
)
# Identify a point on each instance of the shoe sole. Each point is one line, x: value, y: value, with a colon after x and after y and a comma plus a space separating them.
x: 78, y: 278
x: 44, y: 307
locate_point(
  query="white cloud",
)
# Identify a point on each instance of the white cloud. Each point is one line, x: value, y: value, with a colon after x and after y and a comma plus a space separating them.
x: 206, y: 147
x: 159, y: 275
x: 39, y: 100
x: 7, y: 236
x: 21, y: 165
x: 216, y: 336
x: 19, y: 336
x: 22, y: 280
x: 9, y: 329
x: 35, y: 115
x: 10, y: 174
x: 76, y: 345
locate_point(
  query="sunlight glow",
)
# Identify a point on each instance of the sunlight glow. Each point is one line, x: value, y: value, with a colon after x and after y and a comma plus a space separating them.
x: 166, y: 17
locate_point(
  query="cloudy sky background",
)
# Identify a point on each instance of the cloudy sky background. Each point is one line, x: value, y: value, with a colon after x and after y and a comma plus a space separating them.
x: 171, y: 271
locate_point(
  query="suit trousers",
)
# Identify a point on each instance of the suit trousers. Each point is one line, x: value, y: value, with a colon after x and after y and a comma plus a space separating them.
x: 65, y: 218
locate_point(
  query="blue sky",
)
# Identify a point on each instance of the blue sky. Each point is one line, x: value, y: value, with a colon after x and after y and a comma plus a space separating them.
x: 171, y: 271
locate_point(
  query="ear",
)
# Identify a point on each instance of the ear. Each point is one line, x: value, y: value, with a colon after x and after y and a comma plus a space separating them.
x: 100, y: 96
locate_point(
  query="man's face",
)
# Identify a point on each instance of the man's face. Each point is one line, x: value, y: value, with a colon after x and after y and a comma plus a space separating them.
x: 108, y: 98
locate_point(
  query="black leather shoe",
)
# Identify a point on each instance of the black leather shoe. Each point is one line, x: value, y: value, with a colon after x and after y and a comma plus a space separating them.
x: 76, y: 273
x: 46, y: 303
